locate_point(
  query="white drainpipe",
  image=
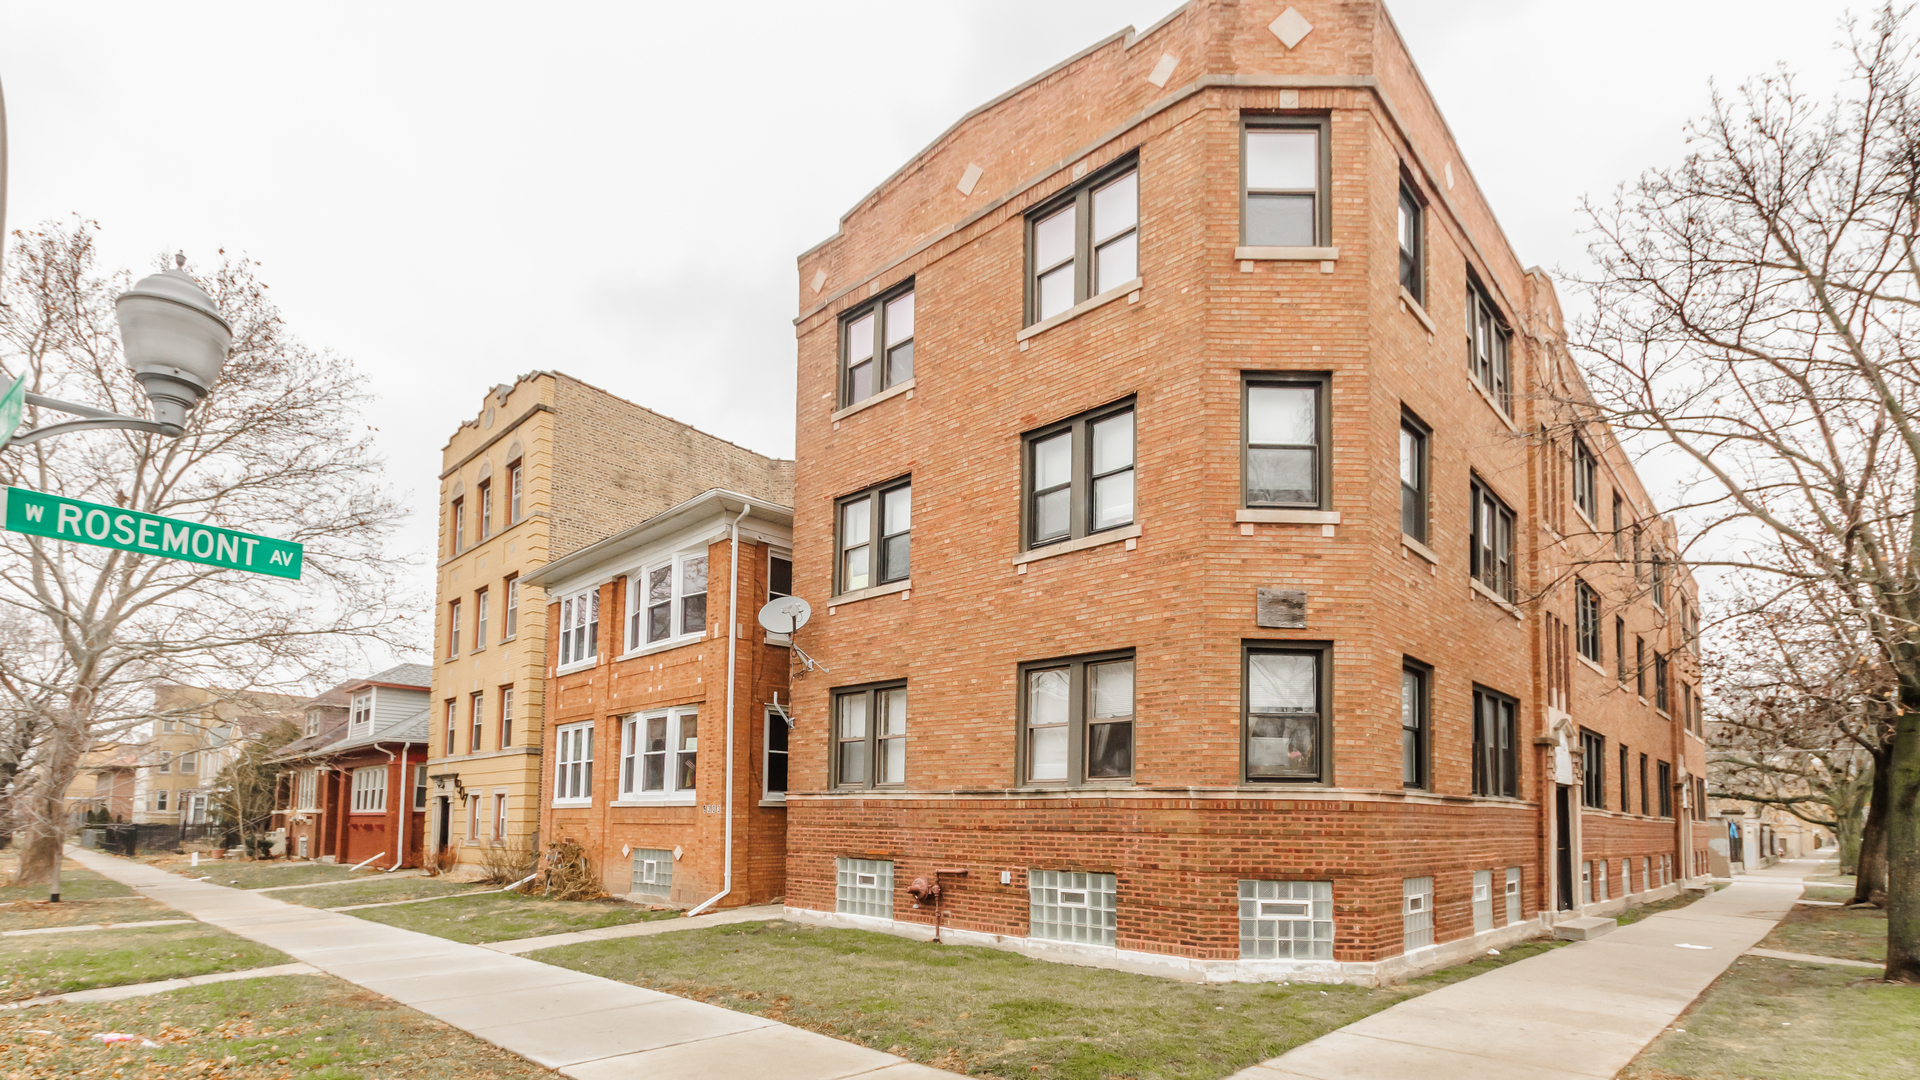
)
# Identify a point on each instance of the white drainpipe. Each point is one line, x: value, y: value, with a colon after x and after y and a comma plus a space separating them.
x: 406, y: 805
x: 733, y: 646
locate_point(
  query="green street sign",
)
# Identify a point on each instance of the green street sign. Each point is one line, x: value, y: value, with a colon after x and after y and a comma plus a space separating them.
x: 13, y: 407
x: 58, y: 518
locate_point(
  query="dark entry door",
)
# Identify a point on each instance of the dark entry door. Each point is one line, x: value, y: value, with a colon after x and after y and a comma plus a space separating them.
x: 1563, y: 845
x: 444, y: 829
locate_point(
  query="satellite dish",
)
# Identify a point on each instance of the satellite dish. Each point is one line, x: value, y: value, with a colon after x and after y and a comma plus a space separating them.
x: 785, y: 614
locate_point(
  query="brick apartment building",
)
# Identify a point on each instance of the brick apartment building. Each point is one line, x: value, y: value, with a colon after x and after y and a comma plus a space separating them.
x: 1205, y: 555
x: 668, y: 742
x: 546, y: 466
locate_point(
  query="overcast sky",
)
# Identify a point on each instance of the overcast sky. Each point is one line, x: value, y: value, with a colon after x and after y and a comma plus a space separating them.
x: 455, y: 194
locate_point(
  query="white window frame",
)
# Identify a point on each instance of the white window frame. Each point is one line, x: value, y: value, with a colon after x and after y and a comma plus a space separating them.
x: 188, y: 762
x: 774, y: 721
x: 306, y: 789
x: 1482, y: 901
x: 420, y: 787
x: 453, y: 630
x: 360, y: 714
x: 370, y: 790
x: 679, y: 722
x: 579, y: 645
x: 473, y: 817
x: 157, y: 800
x: 499, y: 815
x: 476, y: 720
x: 510, y: 611
x: 573, y: 787
x: 638, y: 612
x: 164, y: 762
x: 480, y: 605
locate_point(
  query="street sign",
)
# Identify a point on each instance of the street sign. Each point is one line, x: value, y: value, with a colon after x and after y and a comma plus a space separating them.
x: 13, y: 407
x: 58, y: 518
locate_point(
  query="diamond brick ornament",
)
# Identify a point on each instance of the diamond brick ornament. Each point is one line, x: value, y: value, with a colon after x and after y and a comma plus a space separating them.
x: 1291, y: 28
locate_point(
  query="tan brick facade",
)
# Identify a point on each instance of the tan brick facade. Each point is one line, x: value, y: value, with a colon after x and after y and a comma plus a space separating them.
x: 1177, y: 590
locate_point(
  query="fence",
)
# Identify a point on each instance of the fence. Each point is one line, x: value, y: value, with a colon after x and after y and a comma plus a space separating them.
x: 137, y: 839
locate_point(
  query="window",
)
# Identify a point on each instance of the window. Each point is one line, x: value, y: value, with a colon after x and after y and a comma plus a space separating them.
x: 457, y: 523
x: 1078, y: 717
x: 499, y: 817
x: 1639, y: 570
x: 1586, y: 882
x: 1619, y: 528
x: 877, y: 346
x: 370, y: 790
x: 515, y: 489
x: 870, y: 736
x: 580, y: 627
x: 1585, y: 496
x: 1593, y: 770
x: 876, y: 520
x: 1412, y: 270
x: 674, y: 603
x: 1286, y: 920
x: 313, y: 723
x: 1069, y: 906
x: 1665, y: 773
x: 1084, y: 242
x: 473, y: 817
x: 779, y: 576
x: 1646, y: 872
x: 1660, y: 681
x: 306, y: 788
x: 1495, y: 764
x: 1640, y: 666
x: 573, y: 763
x: 483, y: 495
x: 1587, y: 620
x: 1492, y: 542
x: 1286, y: 699
x: 419, y: 787
x: 479, y: 619
x: 1416, y: 913
x: 863, y: 887
x: 165, y: 762
x: 1080, y: 475
x: 1413, y: 478
x: 653, y: 871
x: 1686, y: 715
x: 189, y: 761
x: 510, y: 614
x: 1513, y: 895
x: 157, y: 799
x: 1620, y: 649
x: 1487, y: 348
x: 774, y: 773
x: 1626, y: 877
x: 1482, y: 901
x: 1659, y: 581
x: 362, y: 712
x: 1625, y: 784
x: 477, y: 722
x: 506, y: 717
x: 1600, y: 880
x: 453, y: 629
x: 1643, y: 785
x: 1286, y: 426
x: 452, y: 724
x: 1284, y: 177
x: 1413, y: 725
x: 659, y: 753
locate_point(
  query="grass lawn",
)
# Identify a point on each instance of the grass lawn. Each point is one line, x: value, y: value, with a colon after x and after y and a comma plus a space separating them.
x: 1483, y: 964
x: 1671, y: 903
x: 244, y: 874
x: 979, y: 1010
x: 76, y: 883
x: 257, y: 1029
x: 508, y: 916
x: 1828, y: 892
x: 1848, y: 933
x: 1786, y: 1021
x: 373, y: 892
x: 57, y: 963
x: 27, y: 915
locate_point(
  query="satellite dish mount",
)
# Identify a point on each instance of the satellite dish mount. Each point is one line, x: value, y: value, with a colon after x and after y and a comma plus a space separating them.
x: 785, y: 615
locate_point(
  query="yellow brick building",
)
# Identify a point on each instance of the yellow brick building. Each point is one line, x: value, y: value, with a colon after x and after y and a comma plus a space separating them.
x: 547, y: 466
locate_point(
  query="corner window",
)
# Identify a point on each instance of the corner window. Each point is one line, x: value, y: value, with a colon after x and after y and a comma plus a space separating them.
x: 1285, y: 694
x: 1077, y: 719
x: 1492, y: 541
x: 1587, y: 620
x: 1286, y: 920
x: 362, y: 712
x: 479, y: 619
x: 870, y: 736
x: 1412, y: 254
x: 876, y: 537
x: 1285, y: 175
x: 668, y: 601
x: 1413, y: 478
x: 580, y: 627
x: 1495, y: 763
x: 573, y: 764
x: 1080, y: 475
x: 876, y: 347
x: 510, y: 614
x: 370, y: 790
x: 659, y: 754
x: 1084, y: 242
x: 1488, y: 349
x: 1414, y: 725
x: 1285, y: 425
x: 1593, y: 769
x: 1584, y: 469
x: 774, y: 768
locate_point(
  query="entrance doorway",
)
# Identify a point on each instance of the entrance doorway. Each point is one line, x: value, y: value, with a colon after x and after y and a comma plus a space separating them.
x: 1563, y: 846
x: 444, y: 829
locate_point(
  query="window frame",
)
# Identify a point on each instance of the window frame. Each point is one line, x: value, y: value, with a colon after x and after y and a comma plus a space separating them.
x: 882, y: 358
x: 479, y: 619
x: 506, y: 716
x: 1664, y: 771
x: 1322, y: 651
x: 483, y: 501
x: 306, y: 789
x: 1079, y: 723
x: 678, y: 724
x: 1322, y: 384
x: 1505, y: 521
x: 453, y: 724
x: 1587, y: 621
x: 1626, y: 780
x: 773, y: 720
x: 476, y: 720
x: 1081, y: 478
x: 510, y: 607
x: 1079, y: 195
x: 1620, y: 648
x: 1593, y: 770
x: 456, y: 522
x: 1586, y: 480
x: 639, y: 627
x: 516, y: 490
x: 1421, y: 513
x: 1644, y: 804
x: 420, y: 787
x: 355, y: 724
x: 1417, y: 255
x: 1489, y: 766
x: 871, y: 737
x: 567, y: 787
x: 1662, y: 675
x: 1492, y: 372
x: 1422, y: 732
x: 876, y: 538
x: 368, y: 798
x: 453, y: 629
x: 499, y: 835
x: 589, y: 632
x: 1322, y: 125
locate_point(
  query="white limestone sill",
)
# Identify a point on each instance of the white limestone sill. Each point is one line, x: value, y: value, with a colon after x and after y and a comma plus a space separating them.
x: 868, y: 594
x: 1287, y: 254
x: 631, y: 803
x: 661, y: 646
x: 1090, y: 303
x: 1413, y: 307
x: 1287, y: 517
x: 1597, y: 669
x: 1068, y: 547
x: 1500, y: 601
x: 891, y: 392
x: 1491, y: 404
x: 1418, y: 548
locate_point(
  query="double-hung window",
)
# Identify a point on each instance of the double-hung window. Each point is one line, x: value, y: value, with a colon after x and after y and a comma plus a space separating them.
x: 476, y: 721
x: 773, y: 772
x: 1665, y: 773
x: 453, y: 629
x: 1593, y: 769
x: 419, y: 787
x: 361, y: 713
x: 1659, y: 581
x: 877, y: 346
x: 1414, y: 724
x: 1080, y: 475
x: 189, y: 761
x: 1620, y: 649
x: 1084, y: 242
x: 580, y: 627
x: 1078, y: 720
x: 659, y: 754
x: 1492, y: 541
x: 1285, y: 174
x: 1660, y: 677
x: 779, y: 575
x: 1626, y: 782
x: 573, y: 764
x: 1619, y: 528
x: 1643, y: 785
x: 1285, y: 421
x: 453, y: 722
x: 483, y: 495
x: 506, y: 717
x: 1286, y: 697
x: 370, y: 790
x: 1495, y: 761
x: 870, y: 736
x: 308, y: 788
x: 1640, y: 666
x: 1585, y: 492
x: 669, y: 601
x: 1413, y: 478
x: 1587, y: 620
x: 875, y: 540
x: 479, y: 619
x: 514, y: 490
x: 456, y: 524
x: 1412, y: 257
x: 1488, y: 349
x: 510, y: 613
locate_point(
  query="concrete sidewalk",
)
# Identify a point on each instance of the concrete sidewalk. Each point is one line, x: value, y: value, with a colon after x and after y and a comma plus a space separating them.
x: 585, y: 1026
x: 1578, y: 1012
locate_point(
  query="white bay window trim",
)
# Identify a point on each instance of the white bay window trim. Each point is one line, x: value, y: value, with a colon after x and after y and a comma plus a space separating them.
x: 667, y: 601
x: 573, y: 765
x: 659, y: 756
x: 370, y: 790
x: 579, y: 629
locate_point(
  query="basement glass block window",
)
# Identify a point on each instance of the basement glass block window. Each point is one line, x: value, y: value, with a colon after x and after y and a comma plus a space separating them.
x: 1482, y: 901
x: 1513, y: 895
x: 863, y: 887
x: 1586, y: 882
x: 652, y: 871
x: 1600, y: 880
x: 1286, y: 920
x: 1626, y: 877
x: 1067, y: 906
x: 1417, y: 913
x: 1646, y: 873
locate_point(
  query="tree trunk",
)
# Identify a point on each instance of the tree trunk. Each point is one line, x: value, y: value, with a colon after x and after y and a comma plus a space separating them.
x: 1903, y: 842
x: 1870, y: 878
x: 1848, y: 829
x: 46, y: 827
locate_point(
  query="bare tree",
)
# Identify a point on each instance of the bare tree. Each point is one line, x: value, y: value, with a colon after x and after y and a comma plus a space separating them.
x: 246, y: 790
x: 277, y: 448
x: 1756, y: 312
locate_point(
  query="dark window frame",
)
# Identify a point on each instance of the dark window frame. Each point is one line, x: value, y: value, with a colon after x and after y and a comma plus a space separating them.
x: 1322, y: 384
x: 1322, y: 124
x: 1501, y: 578
x: 1079, y: 720
x: 1593, y: 769
x: 1421, y: 733
x: 1619, y: 528
x: 1586, y: 480
x: 1493, y: 371
x: 1626, y: 781
x: 1665, y: 772
x: 882, y: 358
x: 1659, y: 580
x: 1662, y: 674
x: 1322, y: 651
x: 1081, y: 478
x: 1640, y: 667
x: 1496, y: 769
x: 1080, y: 196
x: 872, y: 738
x: 1587, y: 621
x: 1416, y: 503
x: 1643, y: 785
x: 877, y: 565
x: 1413, y: 262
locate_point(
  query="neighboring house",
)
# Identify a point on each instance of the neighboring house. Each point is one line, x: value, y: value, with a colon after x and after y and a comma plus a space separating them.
x: 354, y: 784
x: 637, y: 709
x: 105, y: 781
x: 1099, y: 396
x: 165, y: 770
x: 547, y: 465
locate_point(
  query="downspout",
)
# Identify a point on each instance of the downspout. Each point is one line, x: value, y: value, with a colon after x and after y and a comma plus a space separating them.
x: 406, y: 804
x: 733, y: 648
